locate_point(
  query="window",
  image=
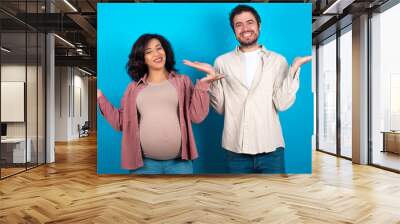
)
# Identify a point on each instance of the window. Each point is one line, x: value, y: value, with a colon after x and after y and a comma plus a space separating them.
x: 327, y: 96
x: 22, y: 68
x: 385, y: 89
x: 346, y: 92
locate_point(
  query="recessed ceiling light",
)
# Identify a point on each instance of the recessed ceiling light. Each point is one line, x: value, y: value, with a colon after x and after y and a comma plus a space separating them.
x: 337, y: 7
x: 71, y: 6
x: 64, y: 40
x: 5, y: 50
x: 84, y: 71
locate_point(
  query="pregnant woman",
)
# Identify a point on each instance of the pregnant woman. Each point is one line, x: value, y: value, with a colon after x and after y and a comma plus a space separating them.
x: 157, y: 110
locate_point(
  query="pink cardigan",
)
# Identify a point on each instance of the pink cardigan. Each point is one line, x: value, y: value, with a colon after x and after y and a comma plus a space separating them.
x: 193, y: 103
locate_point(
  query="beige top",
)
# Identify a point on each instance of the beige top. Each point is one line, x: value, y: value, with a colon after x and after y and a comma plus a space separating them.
x: 160, y: 133
x: 251, y: 121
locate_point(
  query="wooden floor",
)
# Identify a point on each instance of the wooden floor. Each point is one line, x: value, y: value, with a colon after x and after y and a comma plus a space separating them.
x: 70, y: 191
x: 5, y: 172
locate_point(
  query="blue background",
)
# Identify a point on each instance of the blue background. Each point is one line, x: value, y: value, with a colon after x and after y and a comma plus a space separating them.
x: 201, y: 32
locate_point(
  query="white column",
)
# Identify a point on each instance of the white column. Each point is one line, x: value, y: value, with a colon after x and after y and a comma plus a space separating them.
x: 50, y: 93
x: 360, y: 90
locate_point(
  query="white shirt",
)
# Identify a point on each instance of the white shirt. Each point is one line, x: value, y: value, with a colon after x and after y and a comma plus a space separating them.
x: 251, y: 60
x: 251, y: 121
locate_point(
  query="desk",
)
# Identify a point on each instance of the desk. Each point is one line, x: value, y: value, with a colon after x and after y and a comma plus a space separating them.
x: 16, y: 147
x: 391, y: 141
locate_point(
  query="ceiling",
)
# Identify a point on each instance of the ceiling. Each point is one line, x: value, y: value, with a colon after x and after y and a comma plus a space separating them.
x: 75, y: 21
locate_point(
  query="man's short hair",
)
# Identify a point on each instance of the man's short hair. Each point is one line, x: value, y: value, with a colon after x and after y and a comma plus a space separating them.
x: 243, y: 8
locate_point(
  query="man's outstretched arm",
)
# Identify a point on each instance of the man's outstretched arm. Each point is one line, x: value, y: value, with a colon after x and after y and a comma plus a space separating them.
x: 214, y: 77
x: 287, y: 84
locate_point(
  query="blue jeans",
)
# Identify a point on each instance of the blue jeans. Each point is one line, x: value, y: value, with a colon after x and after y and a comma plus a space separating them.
x: 271, y: 162
x: 172, y: 166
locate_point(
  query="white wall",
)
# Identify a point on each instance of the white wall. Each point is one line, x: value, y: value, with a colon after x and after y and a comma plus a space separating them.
x: 61, y: 103
x: 16, y: 72
x: 79, y: 110
x: 33, y: 127
x: 13, y: 72
x: 71, y: 93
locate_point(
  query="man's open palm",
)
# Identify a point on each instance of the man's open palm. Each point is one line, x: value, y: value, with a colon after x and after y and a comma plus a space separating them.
x: 206, y: 68
x: 299, y: 61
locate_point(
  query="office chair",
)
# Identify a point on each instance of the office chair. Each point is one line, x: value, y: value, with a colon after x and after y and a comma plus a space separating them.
x: 84, y: 130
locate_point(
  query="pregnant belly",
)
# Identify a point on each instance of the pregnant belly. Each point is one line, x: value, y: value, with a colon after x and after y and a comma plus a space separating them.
x: 160, y: 139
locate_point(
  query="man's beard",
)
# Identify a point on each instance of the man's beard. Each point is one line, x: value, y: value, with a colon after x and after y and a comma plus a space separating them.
x: 246, y: 44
